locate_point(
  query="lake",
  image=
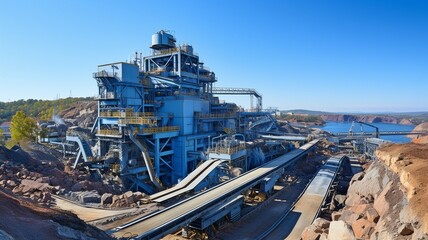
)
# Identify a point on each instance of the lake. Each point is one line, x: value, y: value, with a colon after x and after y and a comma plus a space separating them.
x: 335, y: 127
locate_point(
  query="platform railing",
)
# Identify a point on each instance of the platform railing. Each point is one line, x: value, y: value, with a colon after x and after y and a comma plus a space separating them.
x: 215, y: 115
x: 161, y: 129
x: 227, y: 150
x: 112, y: 132
x: 138, y: 120
x: 121, y: 114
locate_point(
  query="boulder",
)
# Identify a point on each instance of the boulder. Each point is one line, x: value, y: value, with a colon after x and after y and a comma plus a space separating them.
x: 349, y: 217
x: 340, y: 230
x: 11, y: 183
x: 43, y: 180
x: 17, y: 190
x: 129, y: 197
x: 106, y: 198
x: 374, y: 236
x: 55, y: 172
x: 76, y: 187
x: 46, y: 197
x: 321, y: 223
x: 372, y: 183
x: 310, y: 234
x: 138, y: 196
x: 89, y: 197
x: 381, y: 204
x: 324, y: 236
x: 31, y: 186
x: 118, y: 201
x: 336, y: 215
x: 116, y: 198
x: 406, y: 229
x: 9, y: 174
x: 340, y: 199
x: 357, y: 177
x: 372, y: 215
x: 359, y: 209
x: 54, y: 181
x: 360, y: 228
x: 352, y: 199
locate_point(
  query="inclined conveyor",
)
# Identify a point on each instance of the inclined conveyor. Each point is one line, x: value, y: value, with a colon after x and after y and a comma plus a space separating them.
x: 170, y: 219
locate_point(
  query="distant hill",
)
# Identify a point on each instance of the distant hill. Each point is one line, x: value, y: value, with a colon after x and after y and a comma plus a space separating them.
x: 303, y: 111
x: 412, y: 118
x: 39, y: 109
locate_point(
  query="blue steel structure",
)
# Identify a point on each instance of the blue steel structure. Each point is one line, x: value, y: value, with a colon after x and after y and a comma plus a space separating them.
x: 157, y: 115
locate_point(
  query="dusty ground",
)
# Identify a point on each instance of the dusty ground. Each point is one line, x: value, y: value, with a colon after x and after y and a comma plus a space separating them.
x: 410, y: 162
x: 21, y: 219
x: 88, y: 214
x: 103, y: 218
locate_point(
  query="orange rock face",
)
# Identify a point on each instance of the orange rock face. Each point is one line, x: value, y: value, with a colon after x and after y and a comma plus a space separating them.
x: 410, y: 162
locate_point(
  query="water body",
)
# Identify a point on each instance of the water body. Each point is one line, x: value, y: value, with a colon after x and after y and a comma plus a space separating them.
x: 335, y: 127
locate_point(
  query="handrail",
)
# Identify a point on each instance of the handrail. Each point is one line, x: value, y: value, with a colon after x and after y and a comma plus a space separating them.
x: 161, y: 129
x: 138, y: 120
x: 227, y: 150
x: 121, y: 114
x: 215, y: 115
x: 113, y: 132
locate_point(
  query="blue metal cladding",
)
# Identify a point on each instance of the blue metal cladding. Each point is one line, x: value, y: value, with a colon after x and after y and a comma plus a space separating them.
x: 168, y: 90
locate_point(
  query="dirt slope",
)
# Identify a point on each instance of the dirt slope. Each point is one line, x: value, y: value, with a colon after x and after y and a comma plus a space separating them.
x: 24, y: 220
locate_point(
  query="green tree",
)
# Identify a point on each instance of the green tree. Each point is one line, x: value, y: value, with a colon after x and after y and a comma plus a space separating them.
x: 1, y: 137
x: 23, y: 127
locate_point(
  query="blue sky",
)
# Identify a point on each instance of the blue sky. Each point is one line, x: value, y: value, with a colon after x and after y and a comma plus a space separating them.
x: 319, y: 55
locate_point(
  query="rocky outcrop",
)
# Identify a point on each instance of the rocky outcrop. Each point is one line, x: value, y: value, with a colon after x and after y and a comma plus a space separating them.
x: 82, y: 114
x: 387, y: 201
x: 410, y: 163
x: 422, y: 139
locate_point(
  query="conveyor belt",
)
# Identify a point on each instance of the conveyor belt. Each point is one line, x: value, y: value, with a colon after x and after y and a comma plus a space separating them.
x: 188, y: 183
x: 307, y: 207
x: 172, y: 218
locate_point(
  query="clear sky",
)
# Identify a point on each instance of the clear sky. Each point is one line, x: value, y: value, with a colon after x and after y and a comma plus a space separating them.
x: 320, y: 55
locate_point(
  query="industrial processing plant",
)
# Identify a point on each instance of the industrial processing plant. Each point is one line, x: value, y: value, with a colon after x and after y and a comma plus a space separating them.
x: 160, y: 117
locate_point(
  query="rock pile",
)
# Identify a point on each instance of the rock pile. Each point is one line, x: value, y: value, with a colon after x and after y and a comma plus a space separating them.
x: 128, y: 199
x: 376, y: 207
x: 36, y: 179
x: 24, y: 220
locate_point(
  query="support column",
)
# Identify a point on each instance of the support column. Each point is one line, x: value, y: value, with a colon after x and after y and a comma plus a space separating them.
x: 157, y: 165
x: 123, y: 156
